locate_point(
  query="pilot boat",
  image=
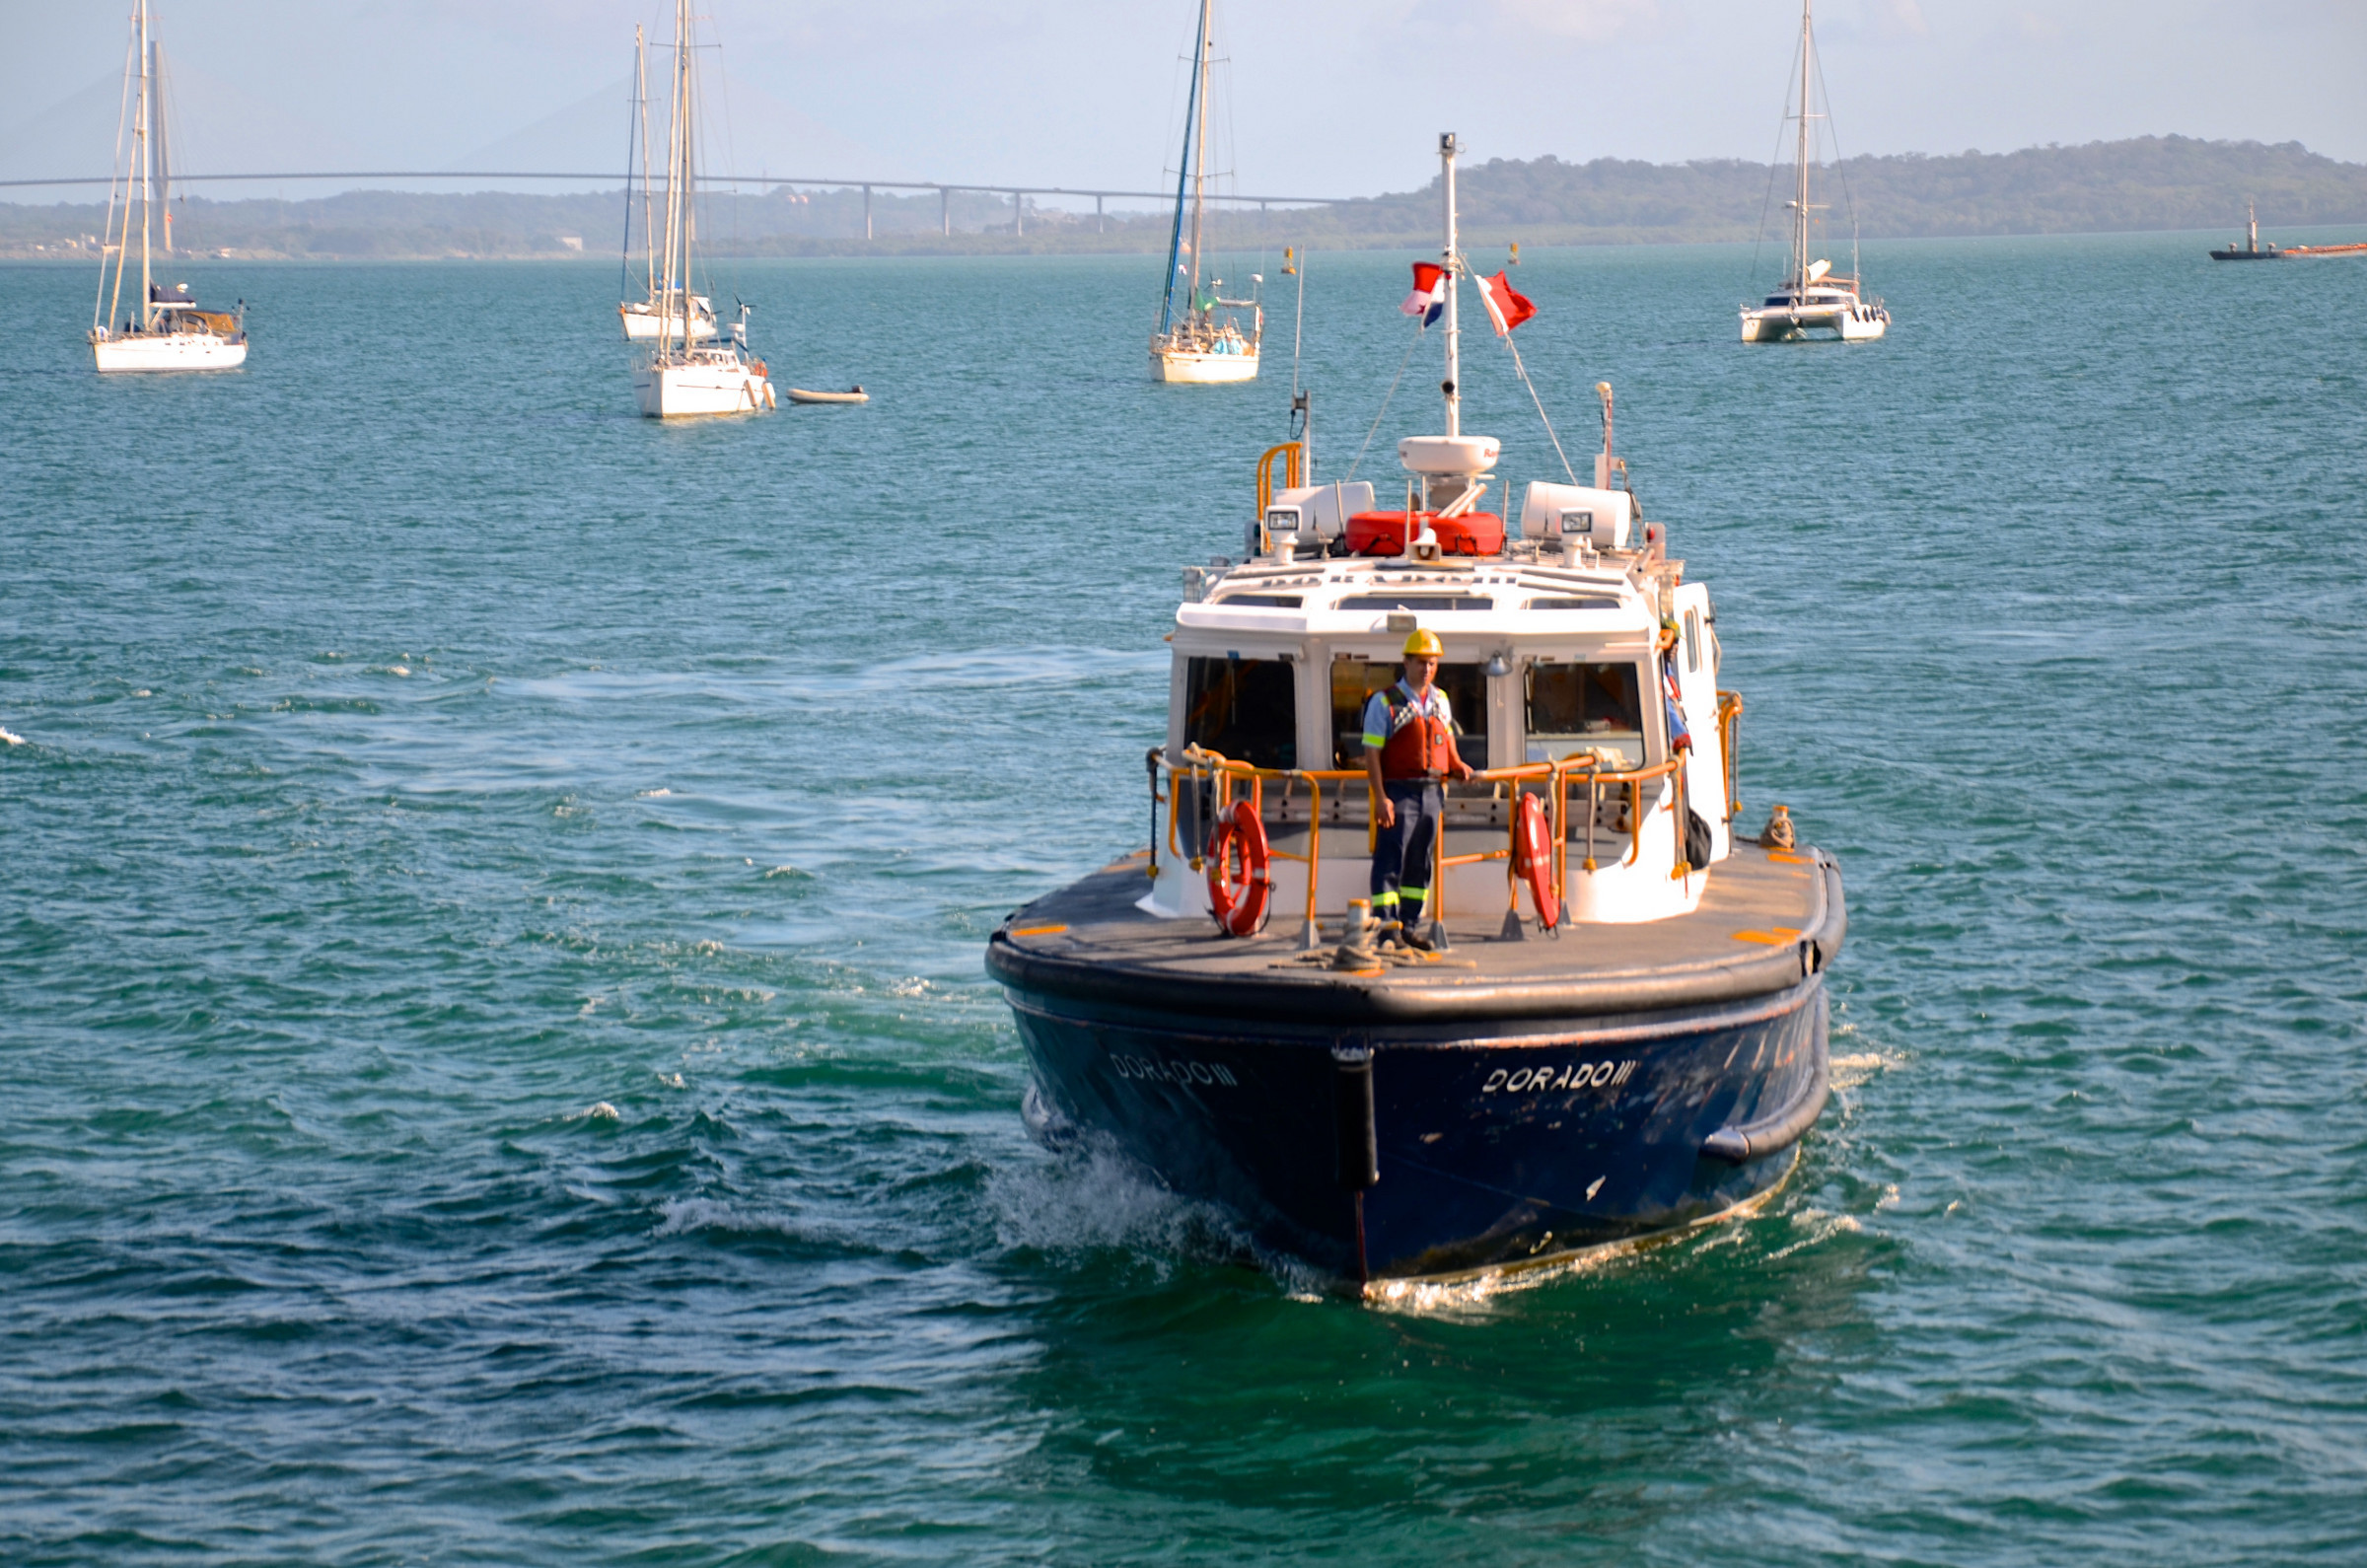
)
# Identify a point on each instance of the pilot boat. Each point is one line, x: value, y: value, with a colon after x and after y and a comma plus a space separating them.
x: 1610, y: 1022
x: 1813, y: 300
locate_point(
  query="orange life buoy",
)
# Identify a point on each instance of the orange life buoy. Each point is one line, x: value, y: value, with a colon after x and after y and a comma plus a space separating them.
x: 1533, y: 859
x: 1239, y: 897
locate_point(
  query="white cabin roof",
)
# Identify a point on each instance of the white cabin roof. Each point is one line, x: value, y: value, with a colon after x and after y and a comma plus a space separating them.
x: 1493, y: 598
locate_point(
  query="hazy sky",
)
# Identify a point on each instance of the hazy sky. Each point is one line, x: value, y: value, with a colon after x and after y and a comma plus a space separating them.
x: 1326, y: 97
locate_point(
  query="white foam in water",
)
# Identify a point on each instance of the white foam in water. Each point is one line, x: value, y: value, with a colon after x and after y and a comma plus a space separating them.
x: 603, y: 1111
x: 1091, y: 1197
x: 12, y: 739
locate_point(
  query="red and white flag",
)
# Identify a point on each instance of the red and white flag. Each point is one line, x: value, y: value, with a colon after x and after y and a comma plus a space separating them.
x: 1429, y: 296
x: 1505, y: 307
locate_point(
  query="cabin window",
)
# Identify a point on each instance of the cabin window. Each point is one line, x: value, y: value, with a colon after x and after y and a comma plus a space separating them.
x: 1692, y: 642
x: 1457, y: 602
x: 1242, y: 709
x: 1354, y: 680
x: 1576, y: 707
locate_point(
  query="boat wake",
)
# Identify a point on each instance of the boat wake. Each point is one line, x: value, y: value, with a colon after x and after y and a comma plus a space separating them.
x: 1091, y: 1199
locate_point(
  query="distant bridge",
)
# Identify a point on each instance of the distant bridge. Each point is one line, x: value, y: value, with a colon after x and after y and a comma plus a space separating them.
x: 945, y: 188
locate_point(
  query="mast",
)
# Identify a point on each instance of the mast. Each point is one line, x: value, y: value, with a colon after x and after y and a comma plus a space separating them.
x: 115, y: 240
x: 649, y: 240
x: 1199, y: 152
x: 675, y: 158
x: 1452, y: 262
x: 164, y: 147
x: 147, y: 305
x: 1800, y: 207
x: 1174, y: 239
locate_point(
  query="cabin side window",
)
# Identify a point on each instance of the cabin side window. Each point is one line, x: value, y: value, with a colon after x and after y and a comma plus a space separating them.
x: 1692, y: 641
x: 1354, y: 680
x: 1577, y: 706
x: 1242, y: 709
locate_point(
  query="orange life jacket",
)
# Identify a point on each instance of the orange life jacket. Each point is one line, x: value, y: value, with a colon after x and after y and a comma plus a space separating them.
x: 1419, y: 743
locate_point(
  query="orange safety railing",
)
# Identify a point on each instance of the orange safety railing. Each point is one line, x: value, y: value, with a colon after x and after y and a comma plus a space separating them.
x: 1730, y: 714
x: 1200, y: 765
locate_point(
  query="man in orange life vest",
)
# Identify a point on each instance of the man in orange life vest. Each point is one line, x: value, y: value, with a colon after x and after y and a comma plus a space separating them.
x: 1408, y: 751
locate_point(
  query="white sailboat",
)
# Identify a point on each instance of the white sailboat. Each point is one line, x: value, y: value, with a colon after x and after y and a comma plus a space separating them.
x: 1194, y: 345
x: 680, y: 376
x: 1813, y: 300
x: 643, y: 318
x: 169, y: 330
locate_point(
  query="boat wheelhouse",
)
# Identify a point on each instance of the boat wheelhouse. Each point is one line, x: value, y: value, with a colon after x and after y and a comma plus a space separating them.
x: 1611, y: 1020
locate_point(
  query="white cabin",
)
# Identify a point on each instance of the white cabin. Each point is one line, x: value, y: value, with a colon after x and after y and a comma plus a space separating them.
x: 1552, y: 650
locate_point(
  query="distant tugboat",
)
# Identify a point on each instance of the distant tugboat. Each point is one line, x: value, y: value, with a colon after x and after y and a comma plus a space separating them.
x: 2252, y: 249
x: 1608, y: 1018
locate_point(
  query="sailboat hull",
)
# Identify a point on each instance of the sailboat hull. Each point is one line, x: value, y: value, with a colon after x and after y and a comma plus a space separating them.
x: 692, y: 390
x: 1847, y: 325
x: 166, y: 351
x: 1175, y: 364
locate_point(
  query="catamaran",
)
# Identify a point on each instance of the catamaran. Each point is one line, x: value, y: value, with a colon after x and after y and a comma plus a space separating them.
x: 1813, y: 300
x: 169, y: 330
x: 680, y: 376
x: 642, y: 318
x: 1194, y: 344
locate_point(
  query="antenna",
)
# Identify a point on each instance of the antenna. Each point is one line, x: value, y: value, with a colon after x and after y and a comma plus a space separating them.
x: 1453, y: 260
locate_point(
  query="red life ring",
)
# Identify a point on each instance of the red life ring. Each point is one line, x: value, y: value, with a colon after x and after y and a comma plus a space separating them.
x: 1239, y: 898
x: 1533, y: 859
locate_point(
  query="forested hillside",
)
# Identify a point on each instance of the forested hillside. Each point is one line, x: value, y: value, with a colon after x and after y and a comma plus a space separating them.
x: 2144, y: 184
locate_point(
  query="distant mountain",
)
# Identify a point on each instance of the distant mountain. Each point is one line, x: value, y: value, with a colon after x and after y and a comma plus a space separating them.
x: 2145, y: 183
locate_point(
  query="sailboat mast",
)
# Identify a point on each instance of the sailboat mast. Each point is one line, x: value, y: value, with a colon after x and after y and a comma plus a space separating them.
x: 1453, y: 262
x: 164, y: 147
x: 140, y: 131
x: 1199, y: 153
x: 670, y: 276
x: 1800, y: 207
x: 115, y: 240
x: 1175, y: 237
x: 649, y: 239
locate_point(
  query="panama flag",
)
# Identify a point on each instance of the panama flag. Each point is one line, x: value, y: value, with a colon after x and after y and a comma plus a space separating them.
x: 1505, y: 307
x: 1429, y: 296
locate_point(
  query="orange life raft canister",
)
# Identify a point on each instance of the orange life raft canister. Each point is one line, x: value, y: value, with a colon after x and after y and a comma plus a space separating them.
x: 1387, y: 532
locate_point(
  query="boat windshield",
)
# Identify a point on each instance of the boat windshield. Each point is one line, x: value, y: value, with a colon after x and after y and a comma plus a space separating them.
x: 1242, y: 708
x: 1576, y: 707
x: 1354, y: 680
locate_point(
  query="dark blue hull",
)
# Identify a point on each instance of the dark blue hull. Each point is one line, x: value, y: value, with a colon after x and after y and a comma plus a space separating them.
x: 1495, y: 1143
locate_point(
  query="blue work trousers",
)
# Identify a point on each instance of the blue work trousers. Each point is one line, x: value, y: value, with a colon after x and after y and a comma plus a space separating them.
x: 1401, y: 854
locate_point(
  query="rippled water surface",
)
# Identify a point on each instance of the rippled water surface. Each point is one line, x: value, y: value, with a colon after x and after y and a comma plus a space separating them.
x: 492, y: 894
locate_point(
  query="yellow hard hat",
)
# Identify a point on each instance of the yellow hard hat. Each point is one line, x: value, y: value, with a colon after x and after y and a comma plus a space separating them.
x: 1424, y: 644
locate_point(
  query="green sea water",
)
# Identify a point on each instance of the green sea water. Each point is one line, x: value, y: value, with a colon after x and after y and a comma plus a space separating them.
x: 492, y: 894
